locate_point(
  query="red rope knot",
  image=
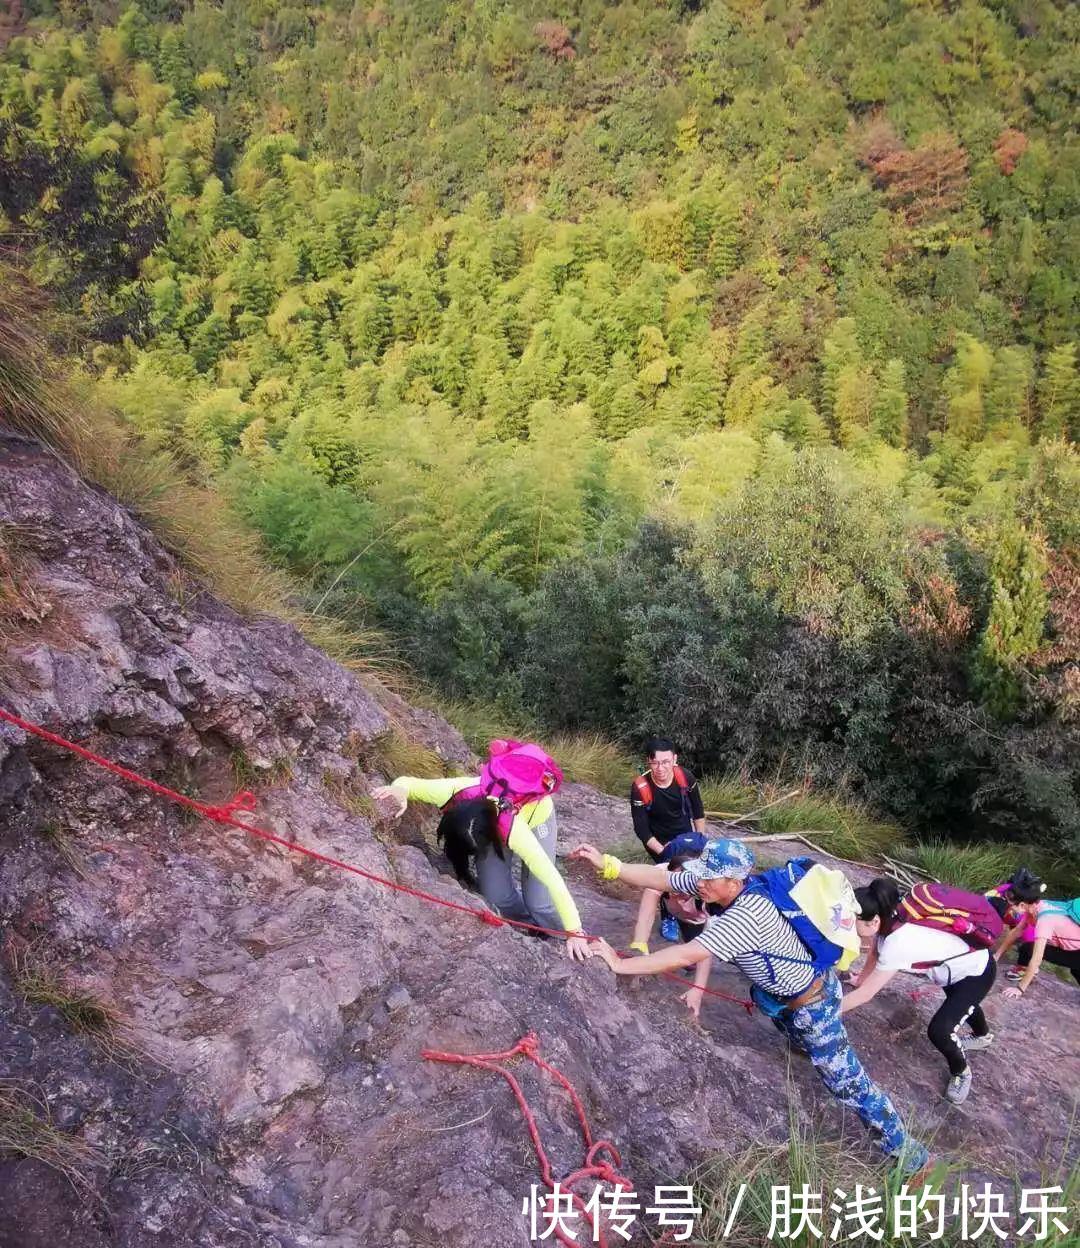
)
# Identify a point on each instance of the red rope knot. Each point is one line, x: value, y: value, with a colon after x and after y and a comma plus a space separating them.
x: 243, y: 801
x: 490, y: 918
x: 529, y: 1046
x: 748, y: 1005
x: 607, y: 1171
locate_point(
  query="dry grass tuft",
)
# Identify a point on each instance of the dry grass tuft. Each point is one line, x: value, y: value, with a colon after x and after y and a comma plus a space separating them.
x: 350, y: 792
x: 589, y: 758
x: 38, y: 982
x: 26, y: 1130
x: 392, y: 754
x: 63, y: 843
x: 24, y: 611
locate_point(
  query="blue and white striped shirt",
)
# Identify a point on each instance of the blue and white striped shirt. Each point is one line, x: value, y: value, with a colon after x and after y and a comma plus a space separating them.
x: 756, y: 937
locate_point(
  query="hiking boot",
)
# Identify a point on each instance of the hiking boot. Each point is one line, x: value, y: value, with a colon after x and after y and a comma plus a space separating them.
x: 958, y: 1087
x: 669, y: 928
x: 972, y: 1044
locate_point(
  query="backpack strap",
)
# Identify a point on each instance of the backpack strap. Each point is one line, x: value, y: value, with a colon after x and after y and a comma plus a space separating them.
x: 684, y: 794
x: 758, y: 884
x: 644, y: 791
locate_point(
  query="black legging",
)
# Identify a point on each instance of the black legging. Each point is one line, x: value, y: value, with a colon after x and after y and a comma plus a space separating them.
x: 1069, y: 958
x: 961, y: 1001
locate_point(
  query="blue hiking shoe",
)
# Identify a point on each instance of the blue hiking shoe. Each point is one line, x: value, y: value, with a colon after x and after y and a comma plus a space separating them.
x: 669, y: 928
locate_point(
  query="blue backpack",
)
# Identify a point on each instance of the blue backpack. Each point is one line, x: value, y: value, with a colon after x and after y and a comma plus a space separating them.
x: 823, y: 907
x: 1071, y: 909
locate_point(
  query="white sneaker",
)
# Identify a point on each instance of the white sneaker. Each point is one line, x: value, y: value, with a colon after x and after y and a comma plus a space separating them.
x: 972, y: 1044
x: 1016, y: 972
x: 958, y: 1087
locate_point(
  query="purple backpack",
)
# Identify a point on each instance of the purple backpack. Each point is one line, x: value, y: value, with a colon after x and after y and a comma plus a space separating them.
x: 967, y: 915
x: 515, y: 774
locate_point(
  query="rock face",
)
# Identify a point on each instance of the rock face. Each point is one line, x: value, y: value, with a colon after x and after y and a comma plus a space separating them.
x: 275, y: 1095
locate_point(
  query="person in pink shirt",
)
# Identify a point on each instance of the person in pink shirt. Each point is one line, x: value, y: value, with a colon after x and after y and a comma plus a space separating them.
x: 1057, y: 939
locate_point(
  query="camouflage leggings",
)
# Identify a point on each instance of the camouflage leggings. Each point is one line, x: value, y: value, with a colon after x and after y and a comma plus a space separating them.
x: 818, y: 1031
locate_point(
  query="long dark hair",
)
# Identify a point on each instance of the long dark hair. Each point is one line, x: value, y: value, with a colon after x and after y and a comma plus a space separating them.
x: 879, y: 899
x: 467, y: 828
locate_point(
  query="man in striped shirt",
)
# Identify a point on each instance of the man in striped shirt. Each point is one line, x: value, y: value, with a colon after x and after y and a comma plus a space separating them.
x: 748, y: 930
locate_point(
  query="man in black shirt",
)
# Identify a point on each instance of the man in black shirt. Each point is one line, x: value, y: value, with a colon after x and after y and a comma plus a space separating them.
x: 665, y: 800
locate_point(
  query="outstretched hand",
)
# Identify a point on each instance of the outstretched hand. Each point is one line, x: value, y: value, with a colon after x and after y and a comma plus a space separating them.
x: 589, y: 854
x: 577, y: 948
x: 390, y: 793
x: 1012, y: 993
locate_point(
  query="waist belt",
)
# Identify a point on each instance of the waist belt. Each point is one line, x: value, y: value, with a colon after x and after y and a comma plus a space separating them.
x: 807, y: 996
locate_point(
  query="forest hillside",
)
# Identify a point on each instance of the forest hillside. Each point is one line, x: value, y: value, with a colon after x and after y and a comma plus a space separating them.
x: 698, y: 366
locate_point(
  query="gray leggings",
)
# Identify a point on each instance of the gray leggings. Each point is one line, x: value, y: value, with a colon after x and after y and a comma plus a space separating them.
x: 532, y: 902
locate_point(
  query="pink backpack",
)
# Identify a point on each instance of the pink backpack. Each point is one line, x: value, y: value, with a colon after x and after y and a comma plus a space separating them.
x: 515, y: 774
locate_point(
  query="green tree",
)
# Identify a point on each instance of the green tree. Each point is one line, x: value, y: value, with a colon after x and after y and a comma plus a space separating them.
x: 1008, y: 389
x: 542, y: 512
x: 136, y: 34
x: 209, y: 341
x: 174, y: 67
x: 1017, y: 620
x: 890, y: 413
x: 1059, y: 394
x: 965, y: 386
x: 840, y: 358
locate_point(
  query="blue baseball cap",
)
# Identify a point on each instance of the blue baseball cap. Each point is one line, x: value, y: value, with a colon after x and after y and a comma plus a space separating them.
x: 685, y: 845
x: 723, y: 859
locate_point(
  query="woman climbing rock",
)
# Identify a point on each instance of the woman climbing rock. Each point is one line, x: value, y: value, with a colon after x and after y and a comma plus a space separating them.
x: 900, y: 942
x: 488, y: 820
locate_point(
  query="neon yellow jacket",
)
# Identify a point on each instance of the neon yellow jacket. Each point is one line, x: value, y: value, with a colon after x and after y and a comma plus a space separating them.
x: 521, y: 840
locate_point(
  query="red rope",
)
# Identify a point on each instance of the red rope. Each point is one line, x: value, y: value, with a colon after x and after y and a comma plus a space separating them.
x: 919, y: 993
x: 602, y: 1171
x: 245, y: 801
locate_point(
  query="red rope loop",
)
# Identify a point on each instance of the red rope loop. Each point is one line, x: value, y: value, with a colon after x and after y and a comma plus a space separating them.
x: 601, y: 1171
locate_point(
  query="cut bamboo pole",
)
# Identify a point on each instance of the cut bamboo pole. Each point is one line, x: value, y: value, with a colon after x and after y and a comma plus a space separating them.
x: 786, y: 836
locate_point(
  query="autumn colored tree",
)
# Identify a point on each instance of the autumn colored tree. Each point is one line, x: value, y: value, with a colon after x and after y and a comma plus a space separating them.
x: 555, y: 40
x: 926, y: 181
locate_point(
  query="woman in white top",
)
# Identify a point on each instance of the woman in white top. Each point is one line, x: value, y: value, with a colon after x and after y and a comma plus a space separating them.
x: 965, y: 974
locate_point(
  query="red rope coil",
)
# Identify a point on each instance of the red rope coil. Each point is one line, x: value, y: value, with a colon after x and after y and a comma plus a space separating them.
x: 601, y: 1171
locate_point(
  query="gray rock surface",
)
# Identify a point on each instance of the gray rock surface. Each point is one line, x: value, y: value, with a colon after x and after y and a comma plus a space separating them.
x: 276, y: 1096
